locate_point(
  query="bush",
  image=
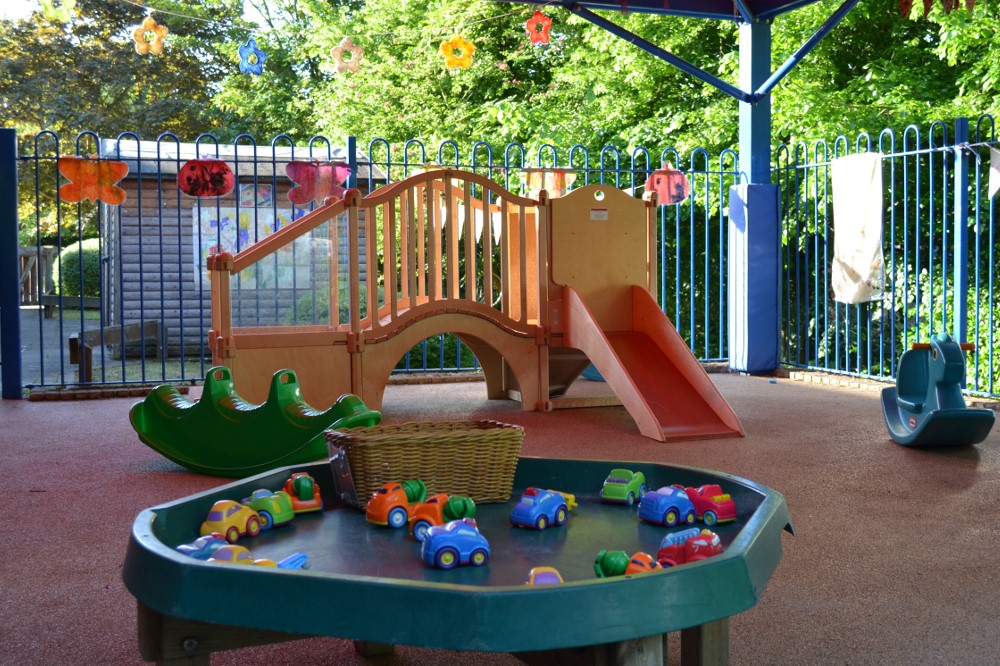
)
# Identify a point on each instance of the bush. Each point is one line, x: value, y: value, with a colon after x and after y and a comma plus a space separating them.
x: 66, y: 271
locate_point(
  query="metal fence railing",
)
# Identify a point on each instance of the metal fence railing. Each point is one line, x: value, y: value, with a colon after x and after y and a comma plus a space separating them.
x: 132, y: 291
x: 939, y: 247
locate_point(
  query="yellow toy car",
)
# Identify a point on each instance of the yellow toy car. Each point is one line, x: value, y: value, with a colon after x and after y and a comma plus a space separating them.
x: 232, y: 520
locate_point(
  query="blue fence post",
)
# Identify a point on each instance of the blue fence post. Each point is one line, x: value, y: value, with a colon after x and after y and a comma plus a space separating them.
x: 960, y: 262
x: 352, y: 161
x: 10, y: 278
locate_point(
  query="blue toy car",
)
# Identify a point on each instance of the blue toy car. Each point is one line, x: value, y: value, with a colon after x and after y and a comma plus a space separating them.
x: 204, y: 547
x: 667, y: 506
x: 539, y: 508
x: 457, y: 542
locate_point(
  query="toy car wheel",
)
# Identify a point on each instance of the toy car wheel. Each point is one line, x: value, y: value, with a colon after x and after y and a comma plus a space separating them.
x: 397, y: 517
x: 266, y: 521
x: 670, y: 517
x: 479, y: 557
x: 541, y: 523
x: 690, y: 517
x: 446, y: 558
x: 630, y: 500
x: 233, y: 534
x: 710, y: 518
x: 253, y: 526
x: 561, y: 514
x: 420, y: 529
x: 643, y: 490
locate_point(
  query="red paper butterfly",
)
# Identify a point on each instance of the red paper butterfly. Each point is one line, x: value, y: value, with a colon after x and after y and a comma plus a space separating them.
x: 92, y: 179
x: 206, y: 177
x: 671, y: 186
x: 315, y: 181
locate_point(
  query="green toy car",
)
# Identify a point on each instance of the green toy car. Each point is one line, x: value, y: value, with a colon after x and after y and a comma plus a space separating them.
x: 623, y: 487
x: 273, y: 508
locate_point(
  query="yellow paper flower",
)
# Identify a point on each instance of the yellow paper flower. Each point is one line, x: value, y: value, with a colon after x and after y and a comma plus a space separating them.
x: 149, y: 37
x: 347, y: 55
x: 458, y: 52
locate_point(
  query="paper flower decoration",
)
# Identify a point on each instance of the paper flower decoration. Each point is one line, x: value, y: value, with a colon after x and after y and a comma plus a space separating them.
x: 149, y: 37
x: 554, y: 181
x: 206, y: 177
x: 62, y: 13
x: 458, y: 52
x: 92, y: 180
x: 315, y: 181
x: 538, y: 27
x: 671, y: 186
x: 252, y: 59
x: 347, y: 55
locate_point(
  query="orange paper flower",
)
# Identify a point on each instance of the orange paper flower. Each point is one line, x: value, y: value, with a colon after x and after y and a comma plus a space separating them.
x: 538, y: 27
x: 458, y: 52
x: 347, y: 55
x: 149, y: 37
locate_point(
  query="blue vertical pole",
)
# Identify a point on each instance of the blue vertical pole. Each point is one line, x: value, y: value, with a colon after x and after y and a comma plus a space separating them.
x: 754, y: 204
x: 10, y: 278
x: 960, y: 263
x: 352, y: 161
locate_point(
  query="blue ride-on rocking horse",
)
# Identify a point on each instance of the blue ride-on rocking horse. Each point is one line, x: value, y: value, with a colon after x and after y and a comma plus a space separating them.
x: 926, y: 407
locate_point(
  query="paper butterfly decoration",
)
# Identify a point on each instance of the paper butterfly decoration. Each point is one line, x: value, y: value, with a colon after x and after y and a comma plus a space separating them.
x: 671, y: 186
x: 347, y: 55
x: 92, y: 180
x: 315, y: 181
x: 205, y: 177
x: 149, y: 37
x: 538, y: 27
x: 554, y: 181
x: 458, y: 52
x: 252, y: 59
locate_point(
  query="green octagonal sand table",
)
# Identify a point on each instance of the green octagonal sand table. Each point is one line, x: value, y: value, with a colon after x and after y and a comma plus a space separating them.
x: 369, y: 583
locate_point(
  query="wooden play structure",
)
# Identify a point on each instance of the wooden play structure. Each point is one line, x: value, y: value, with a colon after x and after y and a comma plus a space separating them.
x: 538, y: 289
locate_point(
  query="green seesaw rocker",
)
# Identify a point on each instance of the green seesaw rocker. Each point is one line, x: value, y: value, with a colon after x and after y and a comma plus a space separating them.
x: 223, y: 435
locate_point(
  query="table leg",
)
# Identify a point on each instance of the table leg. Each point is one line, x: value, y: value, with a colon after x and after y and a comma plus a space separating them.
x: 178, y: 642
x: 647, y: 651
x: 706, y: 645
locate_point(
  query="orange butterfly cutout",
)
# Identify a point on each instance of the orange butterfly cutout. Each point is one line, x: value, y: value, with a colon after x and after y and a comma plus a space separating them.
x: 92, y: 179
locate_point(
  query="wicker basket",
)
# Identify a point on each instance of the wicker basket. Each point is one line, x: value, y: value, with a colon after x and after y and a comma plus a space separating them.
x: 473, y: 458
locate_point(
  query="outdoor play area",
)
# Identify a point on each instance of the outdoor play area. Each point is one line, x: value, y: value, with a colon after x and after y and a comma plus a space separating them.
x: 734, y: 411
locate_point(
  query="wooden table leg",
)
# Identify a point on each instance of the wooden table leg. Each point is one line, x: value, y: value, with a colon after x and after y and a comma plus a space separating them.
x: 178, y: 642
x: 707, y: 645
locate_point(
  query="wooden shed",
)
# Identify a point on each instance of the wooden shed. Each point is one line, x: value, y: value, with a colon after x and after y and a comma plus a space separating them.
x: 155, y: 243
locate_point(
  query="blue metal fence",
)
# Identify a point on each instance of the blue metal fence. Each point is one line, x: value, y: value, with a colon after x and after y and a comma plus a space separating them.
x: 149, y: 256
x: 939, y: 246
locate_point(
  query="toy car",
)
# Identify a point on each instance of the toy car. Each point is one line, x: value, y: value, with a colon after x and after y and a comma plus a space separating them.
x: 394, y: 502
x: 458, y: 542
x: 203, y: 547
x: 713, y: 505
x: 641, y: 563
x: 667, y: 506
x: 538, y: 508
x: 623, y: 486
x: 688, y: 545
x: 304, y: 493
x: 238, y: 555
x: 232, y: 520
x: 610, y: 563
x: 438, y: 510
x: 274, y: 509
x: 544, y: 576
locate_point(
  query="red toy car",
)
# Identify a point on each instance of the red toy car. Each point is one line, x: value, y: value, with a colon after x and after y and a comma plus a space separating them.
x: 713, y: 505
x: 688, y: 545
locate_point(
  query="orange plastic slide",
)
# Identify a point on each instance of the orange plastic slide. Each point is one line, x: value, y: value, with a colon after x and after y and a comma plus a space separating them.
x: 651, y: 371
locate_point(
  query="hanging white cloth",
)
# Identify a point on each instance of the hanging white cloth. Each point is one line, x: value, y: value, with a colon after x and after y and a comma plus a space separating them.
x: 858, y: 273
